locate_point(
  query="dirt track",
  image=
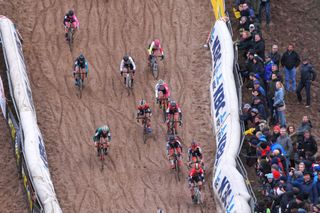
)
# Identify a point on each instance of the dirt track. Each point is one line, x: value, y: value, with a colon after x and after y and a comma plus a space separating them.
x: 136, y: 177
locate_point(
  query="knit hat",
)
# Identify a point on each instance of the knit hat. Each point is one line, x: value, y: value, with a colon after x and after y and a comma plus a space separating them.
x: 263, y: 138
x: 246, y: 106
x: 256, y: 82
x: 276, y: 174
x: 269, y: 175
x: 276, y: 128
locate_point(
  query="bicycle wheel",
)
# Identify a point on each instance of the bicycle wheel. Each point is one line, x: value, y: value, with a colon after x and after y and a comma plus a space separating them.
x: 70, y: 38
x: 101, y: 153
x: 164, y: 109
x: 155, y: 70
x: 80, y: 87
x: 176, y: 164
x: 145, y: 134
x: 128, y: 81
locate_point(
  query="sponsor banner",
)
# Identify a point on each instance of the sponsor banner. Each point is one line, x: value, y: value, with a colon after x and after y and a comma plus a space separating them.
x: 228, y: 183
x: 218, y: 8
x: 230, y: 188
x: 2, y: 99
x: 32, y: 143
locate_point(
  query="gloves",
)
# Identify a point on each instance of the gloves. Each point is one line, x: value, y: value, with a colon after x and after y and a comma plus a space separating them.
x: 162, y: 57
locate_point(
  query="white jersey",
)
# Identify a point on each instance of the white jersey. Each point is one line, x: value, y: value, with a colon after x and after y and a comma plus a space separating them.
x: 131, y: 61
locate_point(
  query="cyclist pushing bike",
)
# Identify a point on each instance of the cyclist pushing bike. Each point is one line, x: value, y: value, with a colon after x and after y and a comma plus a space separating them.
x: 174, y: 147
x: 155, y: 49
x: 103, y: 136
x: 80, y: 66
x: 173, y: 112
x: 196, y: 176
x: 70, y: 20
x: 144, y: 110
x: 127, y: 65
x: 162, y: 92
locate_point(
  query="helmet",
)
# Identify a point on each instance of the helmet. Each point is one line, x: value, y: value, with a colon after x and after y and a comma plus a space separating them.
x: 172, y: 138
x: 126, y: 58
x: 193, y: 144
x: 173, y: 104
x: 70, y: 13
x: 161, y: 82
x: 161, y: 87
x: 104, y: 128
x: 197, y: 166
x: 157, y: 42
x: 81, y: 57
x: 142, y: 102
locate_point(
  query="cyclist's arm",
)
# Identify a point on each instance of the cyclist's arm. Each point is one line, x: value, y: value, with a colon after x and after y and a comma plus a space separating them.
x: 133, y: 64
x: 86, y: 65
x: 150, y: 48
x: 121, y: 65
x: 76, y: 20
x: 64, y: 20
x: 109, y: 136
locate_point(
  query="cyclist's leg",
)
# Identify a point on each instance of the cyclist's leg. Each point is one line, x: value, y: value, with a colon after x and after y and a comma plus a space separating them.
x: 171, y: 152
x: 77, y: 70
x: 176, y: 119
x: 125, y: 71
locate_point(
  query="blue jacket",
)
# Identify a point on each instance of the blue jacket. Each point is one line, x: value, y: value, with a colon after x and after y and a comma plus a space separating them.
x: 278, y: 97
x: 268, y: 70
x: 278, y: 146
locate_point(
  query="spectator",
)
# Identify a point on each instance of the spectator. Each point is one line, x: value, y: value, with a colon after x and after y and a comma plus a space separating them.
x: 245, y: 42
x: 244, y: 10
x: 307, y: 75
x: 305, y: 125
x: 290, y: 60
x: 268, y: 68
x: 259, y: 46
x: 293, y: 136
x: 279, y: 103
x: 285, y: 141
x: 244, y: 23
x: 275, y: 55
x: 258, y: 66
x: 260, y: 106
x: 275, y: 134
x: 307, y: 144
x: 257, y: 86
x: 246, y: 114
x: 270, y: 94
x: 265, y: 4
x: 253, y: 30
x: 275, y: 69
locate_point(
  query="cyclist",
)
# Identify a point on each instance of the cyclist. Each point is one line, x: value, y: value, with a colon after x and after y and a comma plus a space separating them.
x: 102, y: 135
x: 195, y: 154
x: 174, y: 146
x: 196, y: 176
x: 174, y: 111
x: 79, y: 65
x: 162, y: 91
x: 144, y: 110
x: 70, y: 20
x: 127, y: 64
x: 155, y: 49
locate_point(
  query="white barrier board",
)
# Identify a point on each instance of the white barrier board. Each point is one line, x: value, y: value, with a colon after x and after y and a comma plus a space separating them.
x: 228, y: 183
x: 35, y: 153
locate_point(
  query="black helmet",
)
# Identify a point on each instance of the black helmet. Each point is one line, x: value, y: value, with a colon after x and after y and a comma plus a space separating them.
x: 70, y: 13
x: 172, y: 138
x: 81, y: 57
x: 126, y: 58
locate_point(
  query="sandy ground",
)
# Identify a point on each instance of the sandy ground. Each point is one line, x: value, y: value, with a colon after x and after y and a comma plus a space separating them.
x: 136, y: 177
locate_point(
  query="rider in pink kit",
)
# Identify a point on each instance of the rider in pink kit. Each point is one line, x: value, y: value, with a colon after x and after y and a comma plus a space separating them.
x: 70, y: 20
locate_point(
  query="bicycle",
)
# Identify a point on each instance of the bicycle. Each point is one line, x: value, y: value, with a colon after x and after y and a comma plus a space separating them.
x: 176, y: 157
x: 129, y: 80
x: 70, y: 36
x: 79, y: 77
x: 101, y: 153
x: 172, y: 126
x: 197, y: 194
x: 163, y: 103
x: 146, y: 130
x: 154, y: 67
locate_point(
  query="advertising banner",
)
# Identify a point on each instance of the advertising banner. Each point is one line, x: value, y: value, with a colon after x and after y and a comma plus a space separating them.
x: 228, y: 184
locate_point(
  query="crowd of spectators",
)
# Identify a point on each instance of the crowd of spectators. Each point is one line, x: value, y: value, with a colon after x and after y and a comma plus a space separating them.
x: 285, y: 158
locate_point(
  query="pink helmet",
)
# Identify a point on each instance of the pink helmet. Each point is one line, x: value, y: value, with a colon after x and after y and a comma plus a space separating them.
x: 157, y: 42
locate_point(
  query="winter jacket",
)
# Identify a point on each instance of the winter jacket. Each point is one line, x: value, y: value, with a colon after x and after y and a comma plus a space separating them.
x: 259, y: 48
x: 286, y: 143
x: 278, y: 97
x: 268, y: 70
x: 307, y: 73
x: 276, y: 57
x: 308, y: 145
x: 290, y: 59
